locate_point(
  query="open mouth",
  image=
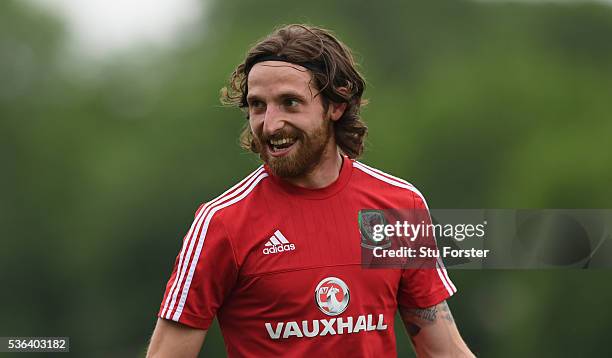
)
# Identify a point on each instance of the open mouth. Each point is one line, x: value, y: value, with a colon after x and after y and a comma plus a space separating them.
x: 281, y: 146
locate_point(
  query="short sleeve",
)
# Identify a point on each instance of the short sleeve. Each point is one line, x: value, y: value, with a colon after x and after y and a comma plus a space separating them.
x: 428, y: 285
x: 205, y: 271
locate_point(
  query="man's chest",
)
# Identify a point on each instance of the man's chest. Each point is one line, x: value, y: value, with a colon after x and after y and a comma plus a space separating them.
x: 288, y: 251
x: 298, y: 235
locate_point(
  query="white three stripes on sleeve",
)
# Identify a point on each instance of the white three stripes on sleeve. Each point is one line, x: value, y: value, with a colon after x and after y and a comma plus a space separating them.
x: 200, y: 226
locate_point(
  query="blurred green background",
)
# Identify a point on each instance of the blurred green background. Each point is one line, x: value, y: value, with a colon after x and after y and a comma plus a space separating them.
x: 480, y: 104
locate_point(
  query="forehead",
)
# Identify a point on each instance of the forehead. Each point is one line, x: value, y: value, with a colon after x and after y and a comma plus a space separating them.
x: 274, y: 77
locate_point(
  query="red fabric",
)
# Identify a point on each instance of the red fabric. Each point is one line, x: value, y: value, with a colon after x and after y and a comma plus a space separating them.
x: 259, y: 299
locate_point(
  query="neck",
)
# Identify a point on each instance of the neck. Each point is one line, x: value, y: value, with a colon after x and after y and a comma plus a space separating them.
x: 325, y: 173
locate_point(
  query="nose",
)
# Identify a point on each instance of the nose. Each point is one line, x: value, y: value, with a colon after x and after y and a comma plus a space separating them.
x: 273, y: 120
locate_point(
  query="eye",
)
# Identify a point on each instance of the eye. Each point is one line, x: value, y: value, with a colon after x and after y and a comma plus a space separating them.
x: 255, y: 104
x: 291, y: 102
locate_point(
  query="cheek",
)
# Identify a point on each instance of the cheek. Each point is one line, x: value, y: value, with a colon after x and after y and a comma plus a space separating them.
x: 314, y: 119
x: 255, y: 124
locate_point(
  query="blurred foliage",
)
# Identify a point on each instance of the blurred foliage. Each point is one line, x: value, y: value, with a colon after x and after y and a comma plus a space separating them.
x: 479, y: 104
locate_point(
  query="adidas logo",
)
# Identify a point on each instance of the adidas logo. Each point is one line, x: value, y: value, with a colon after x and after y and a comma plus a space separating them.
x: 277, y: 243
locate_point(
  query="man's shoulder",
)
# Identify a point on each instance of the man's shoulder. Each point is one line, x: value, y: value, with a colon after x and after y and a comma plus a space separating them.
x: 239, y: 195
x: 376, y: 179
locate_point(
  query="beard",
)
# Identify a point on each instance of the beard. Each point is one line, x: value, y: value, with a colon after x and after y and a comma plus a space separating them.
x: 307, y: 154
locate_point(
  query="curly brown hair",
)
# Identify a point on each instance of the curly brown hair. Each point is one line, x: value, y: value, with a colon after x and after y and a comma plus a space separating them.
x: 334, y: 72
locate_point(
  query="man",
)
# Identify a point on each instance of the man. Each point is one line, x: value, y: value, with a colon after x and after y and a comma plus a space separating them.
x: 276, y: 258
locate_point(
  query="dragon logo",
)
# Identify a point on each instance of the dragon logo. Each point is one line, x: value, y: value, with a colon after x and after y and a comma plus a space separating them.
x: 332, y: 296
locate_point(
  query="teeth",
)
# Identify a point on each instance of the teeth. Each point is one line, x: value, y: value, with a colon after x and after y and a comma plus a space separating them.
x: 281, y: 141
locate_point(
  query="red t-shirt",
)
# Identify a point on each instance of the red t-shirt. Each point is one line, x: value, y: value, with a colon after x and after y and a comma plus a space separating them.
x: 280, y: 267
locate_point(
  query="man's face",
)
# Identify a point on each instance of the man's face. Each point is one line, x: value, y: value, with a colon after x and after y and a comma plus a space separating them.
x: 290, y: 127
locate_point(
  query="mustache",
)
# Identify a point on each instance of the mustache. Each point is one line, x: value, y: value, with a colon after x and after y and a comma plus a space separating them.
x: 282, y: 133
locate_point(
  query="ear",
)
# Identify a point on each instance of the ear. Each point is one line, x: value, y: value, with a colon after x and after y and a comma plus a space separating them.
x: 336, y: 110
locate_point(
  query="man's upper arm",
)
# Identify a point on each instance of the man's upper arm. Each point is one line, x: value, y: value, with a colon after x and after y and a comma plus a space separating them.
x: 424, y: 281
x: 422, y: 303
x: 204, y: 273
x: 433, y: 331
x: 171, y: 339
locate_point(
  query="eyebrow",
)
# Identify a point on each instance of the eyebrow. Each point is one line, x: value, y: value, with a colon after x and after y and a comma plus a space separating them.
x: 283, y: 95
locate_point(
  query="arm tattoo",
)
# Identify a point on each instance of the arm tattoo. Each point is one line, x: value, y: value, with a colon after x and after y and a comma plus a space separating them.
x: 447, y: 313
x: 425, y: 316
x: 412, y: 329
x: 428, y: 314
